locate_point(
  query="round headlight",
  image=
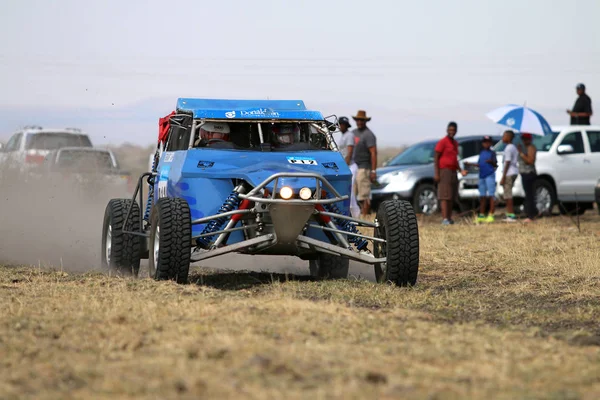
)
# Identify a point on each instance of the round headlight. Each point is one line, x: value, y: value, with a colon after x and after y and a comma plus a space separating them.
x: 286, y: 192
x: 305, y: 193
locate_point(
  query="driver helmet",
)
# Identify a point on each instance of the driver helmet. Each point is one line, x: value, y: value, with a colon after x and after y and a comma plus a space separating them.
x: 214, y: 130
x: 287, y: 133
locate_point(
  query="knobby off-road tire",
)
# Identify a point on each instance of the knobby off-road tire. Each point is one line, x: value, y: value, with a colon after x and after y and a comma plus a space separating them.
x: 170, y: 240
x: 398, y: 226
x: 121, y: 252
x: 328, y: 266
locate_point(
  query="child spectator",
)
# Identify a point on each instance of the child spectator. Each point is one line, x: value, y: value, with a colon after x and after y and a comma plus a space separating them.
x: 487, y: 165
x: 510, y: 173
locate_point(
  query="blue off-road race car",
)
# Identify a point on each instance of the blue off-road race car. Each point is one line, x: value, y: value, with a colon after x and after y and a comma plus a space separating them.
x: 253, y: 177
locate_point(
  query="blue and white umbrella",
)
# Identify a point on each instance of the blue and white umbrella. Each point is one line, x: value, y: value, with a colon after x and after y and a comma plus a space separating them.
x: 521, y: 119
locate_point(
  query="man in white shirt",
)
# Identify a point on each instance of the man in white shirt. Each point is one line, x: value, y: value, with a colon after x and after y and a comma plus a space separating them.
x: 347, y: 140
x: 510, y: 173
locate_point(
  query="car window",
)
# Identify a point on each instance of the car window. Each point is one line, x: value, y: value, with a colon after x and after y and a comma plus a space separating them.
x: 576, y: 140
x: 594, y: 137
x: 467, y: 148
x: 415, y: 155
x: 85, y: 160
x: 541, y: 143
x: 14, y: 143
x: 56, y: 140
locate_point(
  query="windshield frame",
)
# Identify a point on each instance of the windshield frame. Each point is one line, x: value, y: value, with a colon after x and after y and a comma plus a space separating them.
x: 261, y: 140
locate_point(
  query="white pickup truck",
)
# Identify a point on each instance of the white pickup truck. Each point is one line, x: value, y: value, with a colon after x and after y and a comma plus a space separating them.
x: 568, y: 167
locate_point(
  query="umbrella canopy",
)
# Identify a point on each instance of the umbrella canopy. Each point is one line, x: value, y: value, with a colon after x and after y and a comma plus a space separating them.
x: 520, y: 118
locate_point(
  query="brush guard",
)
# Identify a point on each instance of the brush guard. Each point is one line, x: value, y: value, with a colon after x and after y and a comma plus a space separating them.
x: 324, y: 210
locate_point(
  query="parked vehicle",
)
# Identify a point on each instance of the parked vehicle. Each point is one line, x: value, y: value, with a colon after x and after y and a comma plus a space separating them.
x: 29, y: 146
x: 253, y: 177
x: 597, y: 195
x: 567, y: 164
x: 89, y: 167
x: 410, y: 175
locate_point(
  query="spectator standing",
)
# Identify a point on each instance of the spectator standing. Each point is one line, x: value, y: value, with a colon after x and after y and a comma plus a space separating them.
x: 364, y: 153
x: 446, y: 167
x: 582, y: 109
x: 487, y: 165
x: 510, y: 173
x: 347, y: 142
x: 527, y: 155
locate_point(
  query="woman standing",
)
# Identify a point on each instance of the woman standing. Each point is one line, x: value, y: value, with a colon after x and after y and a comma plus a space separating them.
x: 527, y: 154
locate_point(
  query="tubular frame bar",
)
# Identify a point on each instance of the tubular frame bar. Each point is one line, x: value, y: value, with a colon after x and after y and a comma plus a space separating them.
x: 239, y: 228
x: 330, y: 248
x: 278, y: 175
x: 138, y: 190
x: 324, y: 228
x: 340, y: 216
x: 204, y: 220
x: 234, y: 247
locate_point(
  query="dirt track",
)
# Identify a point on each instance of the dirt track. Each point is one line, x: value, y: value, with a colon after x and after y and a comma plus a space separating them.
x: 501, y: 311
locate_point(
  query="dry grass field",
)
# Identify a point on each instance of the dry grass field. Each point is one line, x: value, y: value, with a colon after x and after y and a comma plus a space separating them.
x: 499, y: 312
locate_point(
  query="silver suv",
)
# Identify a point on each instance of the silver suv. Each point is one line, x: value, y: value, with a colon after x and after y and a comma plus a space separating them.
x: 409, y: 175
x: 29, y: 146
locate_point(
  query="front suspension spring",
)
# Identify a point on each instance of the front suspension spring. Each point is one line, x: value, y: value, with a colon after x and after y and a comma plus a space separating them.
x: 231, y: 203
x: 150, y: 191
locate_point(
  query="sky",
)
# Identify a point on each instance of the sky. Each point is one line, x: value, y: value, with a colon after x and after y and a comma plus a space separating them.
x: 113, y: 68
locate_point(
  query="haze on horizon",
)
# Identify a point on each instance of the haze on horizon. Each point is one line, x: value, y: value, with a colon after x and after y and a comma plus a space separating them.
x: 113, y: 68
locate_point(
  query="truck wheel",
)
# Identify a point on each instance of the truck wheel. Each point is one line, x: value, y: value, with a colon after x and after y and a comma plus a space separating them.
x: 425, y: 199
x: 328, y: 266
x: 121, y: 251
x: 545, y: 196
x: 398, y: 227
x: 170, y: 240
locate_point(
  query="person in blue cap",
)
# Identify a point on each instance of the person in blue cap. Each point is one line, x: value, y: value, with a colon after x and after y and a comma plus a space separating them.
x: 487, y: 165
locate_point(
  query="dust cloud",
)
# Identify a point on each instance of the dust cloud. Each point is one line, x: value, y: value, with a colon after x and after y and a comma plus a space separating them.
x: 50, y: 221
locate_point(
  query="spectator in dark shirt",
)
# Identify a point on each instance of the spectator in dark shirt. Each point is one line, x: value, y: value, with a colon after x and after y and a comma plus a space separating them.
x: 582, y: 109
x: 364, y: 152
x: 446, y: 168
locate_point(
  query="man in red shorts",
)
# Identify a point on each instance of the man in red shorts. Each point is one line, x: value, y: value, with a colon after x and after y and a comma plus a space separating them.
x: 446, y: 167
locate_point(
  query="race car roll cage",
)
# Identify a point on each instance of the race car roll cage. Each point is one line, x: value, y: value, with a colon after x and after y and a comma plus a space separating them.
x: 294, y: 212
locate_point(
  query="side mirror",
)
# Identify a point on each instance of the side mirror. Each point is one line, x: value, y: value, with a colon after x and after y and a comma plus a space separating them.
x: 565, y: 149
x: 333, y: 124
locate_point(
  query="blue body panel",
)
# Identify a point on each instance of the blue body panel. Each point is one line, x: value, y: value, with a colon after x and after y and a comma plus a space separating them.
x: 248, y: 109
x: 204, y: 176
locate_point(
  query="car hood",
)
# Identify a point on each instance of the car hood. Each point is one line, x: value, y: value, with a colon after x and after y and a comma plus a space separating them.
x: 413, y: 168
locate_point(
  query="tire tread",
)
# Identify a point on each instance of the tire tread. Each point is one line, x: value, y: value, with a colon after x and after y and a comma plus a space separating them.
x: 402, y: 241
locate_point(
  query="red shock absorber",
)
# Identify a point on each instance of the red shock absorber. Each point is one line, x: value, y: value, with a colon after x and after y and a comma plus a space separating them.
x: 244, y: 205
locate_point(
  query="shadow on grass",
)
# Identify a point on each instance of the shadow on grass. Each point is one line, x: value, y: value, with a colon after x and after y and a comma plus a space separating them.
x: 240, y: 280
